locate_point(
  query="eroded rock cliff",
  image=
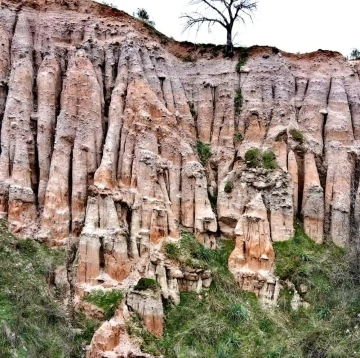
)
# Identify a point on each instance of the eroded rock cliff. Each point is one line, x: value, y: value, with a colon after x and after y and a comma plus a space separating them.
x: 101, y: 119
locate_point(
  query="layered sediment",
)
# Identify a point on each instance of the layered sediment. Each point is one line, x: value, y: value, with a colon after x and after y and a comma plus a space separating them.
x: 100, y: 124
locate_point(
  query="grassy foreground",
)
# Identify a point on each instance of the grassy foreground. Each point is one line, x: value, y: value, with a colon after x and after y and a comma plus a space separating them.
x: 32, y: 322
x: 227, y: 322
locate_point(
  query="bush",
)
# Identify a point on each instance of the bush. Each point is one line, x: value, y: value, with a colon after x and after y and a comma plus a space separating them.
x: 229, y: 186
x: 355, y: 54
x: 146, y: 284
x: 269, y: 160
x: 238, y: 137
x: 297, y: 136
x: 253, y: 158
x: 204, y: 151
x: 238, y: 101
x: 106, y: 300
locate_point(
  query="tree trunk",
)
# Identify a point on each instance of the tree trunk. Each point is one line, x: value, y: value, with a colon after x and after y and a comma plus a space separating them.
x: 229, y: 44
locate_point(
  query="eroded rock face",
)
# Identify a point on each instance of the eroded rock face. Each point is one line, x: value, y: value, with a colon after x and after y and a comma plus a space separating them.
x: 252, y: 261
x: 99, y: 130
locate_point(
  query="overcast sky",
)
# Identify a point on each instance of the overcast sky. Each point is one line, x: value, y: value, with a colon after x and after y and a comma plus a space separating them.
x: 290, y: 25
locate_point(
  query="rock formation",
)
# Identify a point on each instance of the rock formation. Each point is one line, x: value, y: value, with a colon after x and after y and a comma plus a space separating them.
x: 100, y: 123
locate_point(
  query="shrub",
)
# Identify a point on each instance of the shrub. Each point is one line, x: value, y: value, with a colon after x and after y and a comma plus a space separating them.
x: 229, y: 186
x: 106, y: 300
x: 297, y: 136
x: 269, y: 160
x: 204, y: 151
x: 146, y: 284
x: 253, y: 158
x: 355, y: 54
x: 143, y: 15
x: 238, y: 137
x: 238, y: 101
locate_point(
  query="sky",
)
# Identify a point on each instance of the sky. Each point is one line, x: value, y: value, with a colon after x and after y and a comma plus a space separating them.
x: 291, y: 25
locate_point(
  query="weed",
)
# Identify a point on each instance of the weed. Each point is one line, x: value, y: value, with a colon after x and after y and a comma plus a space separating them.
x: 106, y: 300
x: 204, y: 151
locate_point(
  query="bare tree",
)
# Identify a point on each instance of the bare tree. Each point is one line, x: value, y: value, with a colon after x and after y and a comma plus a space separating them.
x: 223, y: 12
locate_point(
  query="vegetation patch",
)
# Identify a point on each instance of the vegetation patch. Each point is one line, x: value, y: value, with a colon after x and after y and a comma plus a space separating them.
x: 229, y: 186
x: 106, y: 300
x: 32, y: 322
x: 146, y: 284
x: 269, y: 160
x: 238, y: 101
x: 297, y: 136
x: 228, y: 322
x: 243, y: 57
x: 238, y: 137
x: 253, y: 158
x: 204, y: 151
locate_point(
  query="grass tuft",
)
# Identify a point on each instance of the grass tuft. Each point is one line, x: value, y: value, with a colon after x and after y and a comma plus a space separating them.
x: 106, y: 300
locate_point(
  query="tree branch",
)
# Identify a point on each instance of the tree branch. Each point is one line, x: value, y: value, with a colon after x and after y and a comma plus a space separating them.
x: 191, y: 21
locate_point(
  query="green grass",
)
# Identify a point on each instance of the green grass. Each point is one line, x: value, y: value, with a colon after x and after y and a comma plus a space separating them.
x: 106, y: 300
x: 32, y: 322
x: 228, y: 322
x: 204, y: 151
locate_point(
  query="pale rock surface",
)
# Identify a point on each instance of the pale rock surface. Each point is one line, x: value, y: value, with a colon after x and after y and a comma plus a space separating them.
x: 100, y: 121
